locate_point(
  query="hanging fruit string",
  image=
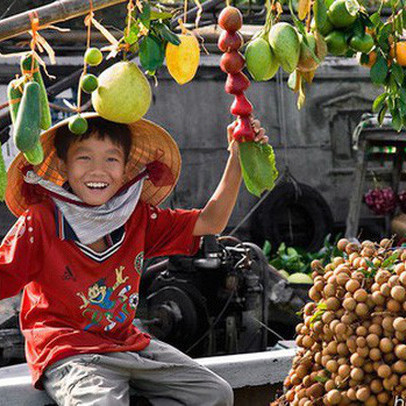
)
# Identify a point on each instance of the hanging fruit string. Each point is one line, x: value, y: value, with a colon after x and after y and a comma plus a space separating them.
x: 34, y: 28
x: 185, y: 11
x: 88, y: 24
x: 130, y: 10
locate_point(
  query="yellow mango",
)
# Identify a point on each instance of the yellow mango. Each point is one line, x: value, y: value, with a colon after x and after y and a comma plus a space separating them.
x: 183, y: 60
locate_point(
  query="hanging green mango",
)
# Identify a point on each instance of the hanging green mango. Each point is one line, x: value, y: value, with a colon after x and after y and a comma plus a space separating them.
x: 258, y: 166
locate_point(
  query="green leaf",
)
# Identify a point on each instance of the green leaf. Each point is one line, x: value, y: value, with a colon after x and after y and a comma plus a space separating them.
x: 145, y: 15
x: 402, y: 108
x: 381, y: 114
x: 258, y: 166
x: 151, y: 53
x: 397, y: 73
x: 160, y: 15
x: 292, y: 252
x: 320, y: 14
x: 375, y: 18
x: 167, y: 34
x: 393, y: 86
x: 133, y: 36
x: 364, y: 59
x: 370, y: 263
x: 379, y: 102
x: 379, y: 70
x: 267, y: 249
x: 402, y: 94
x: 396, y: 120
x: 383, y: 36
x: 292, y: 80
x: 398, y: 22
x: 321, y: 379
x: 390, y: 260
x: 358, y: 28
x: 281, y: 248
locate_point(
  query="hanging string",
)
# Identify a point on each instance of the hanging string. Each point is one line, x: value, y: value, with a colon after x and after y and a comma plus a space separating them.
x: 130, y: 10
x: 185, y: 11
x: 33, y: 43
x: 88, y: 24
x: 281, y: 115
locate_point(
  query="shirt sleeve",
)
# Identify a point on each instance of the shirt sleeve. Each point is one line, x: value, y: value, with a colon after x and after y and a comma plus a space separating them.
x: 18, y: 256
x: 170, y: 232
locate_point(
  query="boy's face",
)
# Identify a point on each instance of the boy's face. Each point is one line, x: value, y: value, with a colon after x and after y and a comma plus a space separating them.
x: 95, y: 169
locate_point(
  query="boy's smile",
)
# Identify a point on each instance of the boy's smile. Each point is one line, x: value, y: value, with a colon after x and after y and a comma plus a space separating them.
x: 95, y: 169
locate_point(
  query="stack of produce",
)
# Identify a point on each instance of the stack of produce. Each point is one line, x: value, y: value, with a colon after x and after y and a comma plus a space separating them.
x: 257, y: 160
x: 232, y: 63
x: 381, y: 201
x: 352, y: 347
x: 345, y: 29
x: 282, y: 45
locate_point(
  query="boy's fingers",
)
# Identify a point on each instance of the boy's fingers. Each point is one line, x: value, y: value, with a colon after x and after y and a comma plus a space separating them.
x: 256, y: 124
x: 230, y: 130
x: 260, y: 134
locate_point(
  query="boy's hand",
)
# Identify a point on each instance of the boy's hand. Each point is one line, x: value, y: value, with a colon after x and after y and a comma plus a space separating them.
x: 259, y: 135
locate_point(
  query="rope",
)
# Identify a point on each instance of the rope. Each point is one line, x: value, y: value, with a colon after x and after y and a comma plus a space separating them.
x: 185, y: 11
x: 88, y: 23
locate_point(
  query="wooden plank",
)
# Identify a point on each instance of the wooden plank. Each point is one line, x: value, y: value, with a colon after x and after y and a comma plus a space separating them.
x: 55, y: 12
x: 63, y: 10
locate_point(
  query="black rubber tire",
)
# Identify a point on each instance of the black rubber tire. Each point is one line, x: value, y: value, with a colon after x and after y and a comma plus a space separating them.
x: 308, y: 208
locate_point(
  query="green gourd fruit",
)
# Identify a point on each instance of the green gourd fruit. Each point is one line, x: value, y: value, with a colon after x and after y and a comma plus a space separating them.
x: 27, y: 126
x: 14, y: 95
x: 35, y: 156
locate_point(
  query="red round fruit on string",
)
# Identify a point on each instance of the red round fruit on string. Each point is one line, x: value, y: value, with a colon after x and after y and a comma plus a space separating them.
x: 243, y: 130
x: 241, y: 106
x: 230, y: 41
x: 236, y: 83
x: 232, y: 62
x: 230, y: 19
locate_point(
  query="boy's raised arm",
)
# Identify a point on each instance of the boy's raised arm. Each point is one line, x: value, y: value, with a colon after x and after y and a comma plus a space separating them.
x: 214, y: 217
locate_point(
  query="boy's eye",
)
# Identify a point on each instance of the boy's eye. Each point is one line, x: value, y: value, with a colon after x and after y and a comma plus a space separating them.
x: 111, y: 159
x: 83, y: 157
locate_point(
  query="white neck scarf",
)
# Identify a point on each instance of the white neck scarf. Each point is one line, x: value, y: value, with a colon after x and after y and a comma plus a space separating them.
x: 91, y: 224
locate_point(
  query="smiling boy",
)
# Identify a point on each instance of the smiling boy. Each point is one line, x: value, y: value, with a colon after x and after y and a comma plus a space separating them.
x: 88, y: 219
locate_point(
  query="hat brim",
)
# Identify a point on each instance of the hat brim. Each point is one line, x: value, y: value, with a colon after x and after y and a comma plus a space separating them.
x: 149, y: 143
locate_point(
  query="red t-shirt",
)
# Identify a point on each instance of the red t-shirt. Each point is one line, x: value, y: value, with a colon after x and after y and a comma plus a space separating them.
x: 73, y: 304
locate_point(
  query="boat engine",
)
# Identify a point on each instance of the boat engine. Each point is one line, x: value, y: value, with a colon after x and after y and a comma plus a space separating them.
x: 212, y: 303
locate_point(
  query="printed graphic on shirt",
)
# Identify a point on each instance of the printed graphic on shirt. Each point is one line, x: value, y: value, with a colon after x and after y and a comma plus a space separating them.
x: 138, y: 262
x: 108, y: 306
x: 16, y: 232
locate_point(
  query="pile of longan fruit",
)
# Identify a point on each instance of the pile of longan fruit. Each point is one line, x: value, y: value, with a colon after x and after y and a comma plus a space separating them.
x: 352, y: 339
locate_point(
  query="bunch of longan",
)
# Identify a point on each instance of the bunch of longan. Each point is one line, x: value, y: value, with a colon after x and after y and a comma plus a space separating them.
x: 351, y: 341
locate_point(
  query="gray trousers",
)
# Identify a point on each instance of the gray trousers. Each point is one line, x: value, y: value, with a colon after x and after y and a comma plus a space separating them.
x: 160, y: 373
